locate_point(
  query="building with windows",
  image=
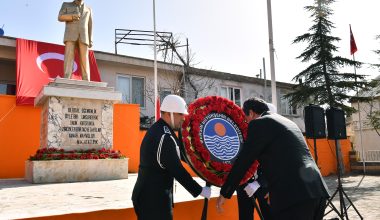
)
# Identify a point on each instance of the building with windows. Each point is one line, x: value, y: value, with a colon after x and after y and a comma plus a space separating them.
x: 366, y: 134
x: 134, y: 78
x: 238, y: 88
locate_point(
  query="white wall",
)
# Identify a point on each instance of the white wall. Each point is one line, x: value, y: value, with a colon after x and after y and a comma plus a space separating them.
x: 370, y: 139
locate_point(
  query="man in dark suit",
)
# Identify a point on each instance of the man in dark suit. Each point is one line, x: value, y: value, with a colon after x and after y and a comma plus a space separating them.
x: 296, y: 188
x: 255, y: 189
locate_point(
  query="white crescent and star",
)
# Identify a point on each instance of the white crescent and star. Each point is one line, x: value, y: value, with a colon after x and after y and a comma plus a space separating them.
x: 52, y: 56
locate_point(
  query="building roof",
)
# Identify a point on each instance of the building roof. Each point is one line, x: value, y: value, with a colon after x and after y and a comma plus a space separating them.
x: 373, y: 92
x: 7, y: 41
x: 234, y: 77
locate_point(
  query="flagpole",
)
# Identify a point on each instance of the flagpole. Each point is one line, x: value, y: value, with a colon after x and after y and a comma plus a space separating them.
x: 155, y: 63
x: 360, y: 122
x: 271, y: 54
x: 265, y: 80
x: 353, y: 50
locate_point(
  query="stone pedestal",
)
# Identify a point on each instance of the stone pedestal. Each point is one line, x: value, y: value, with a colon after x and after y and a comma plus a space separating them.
x: 77, y: 114
x: 63, y: 171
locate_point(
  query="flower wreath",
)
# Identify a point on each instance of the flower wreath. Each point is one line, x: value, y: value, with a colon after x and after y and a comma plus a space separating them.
x: 197, y: 154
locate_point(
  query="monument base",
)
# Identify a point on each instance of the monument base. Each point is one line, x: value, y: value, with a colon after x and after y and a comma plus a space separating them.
x: 63, y: 171
x: 76, y: 114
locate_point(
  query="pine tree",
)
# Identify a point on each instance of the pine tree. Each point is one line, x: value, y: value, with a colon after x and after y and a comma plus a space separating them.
x: 321, y: 82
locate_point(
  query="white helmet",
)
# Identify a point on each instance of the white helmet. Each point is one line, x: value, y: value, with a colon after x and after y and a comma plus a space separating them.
x: 272, y: 108
x: 174, y: 103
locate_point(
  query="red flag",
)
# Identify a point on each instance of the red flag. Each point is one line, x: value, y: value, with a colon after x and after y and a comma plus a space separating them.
x: 352, y: 43
x: 39, y: 63
x: 158, y: 113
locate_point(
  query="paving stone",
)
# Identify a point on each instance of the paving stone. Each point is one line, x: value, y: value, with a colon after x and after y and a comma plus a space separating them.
x: 20, y: 199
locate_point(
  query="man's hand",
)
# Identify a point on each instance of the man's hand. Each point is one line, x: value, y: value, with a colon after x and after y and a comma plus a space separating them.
x: 219, y: 203
x: 206, y: 192
x: 251, y: 188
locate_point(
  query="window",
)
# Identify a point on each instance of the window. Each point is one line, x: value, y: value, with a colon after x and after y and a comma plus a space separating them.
x: 3, y: 88
x: 232, y: 94
x: 286, y: 108
x: 138, y: 90
x: 7, y: 89
x: 132, y: 89
x: 163, y: 93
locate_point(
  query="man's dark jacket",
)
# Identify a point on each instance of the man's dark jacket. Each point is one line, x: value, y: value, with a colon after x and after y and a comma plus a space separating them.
x: 159, y: 163
x: 285, y: 160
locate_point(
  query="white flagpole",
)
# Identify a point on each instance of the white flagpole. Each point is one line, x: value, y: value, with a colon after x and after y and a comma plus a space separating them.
x: 265, y: 80
x: 360, y: 118
x: 271, y: 54
x: 155, y: 62
x: 360, y: 124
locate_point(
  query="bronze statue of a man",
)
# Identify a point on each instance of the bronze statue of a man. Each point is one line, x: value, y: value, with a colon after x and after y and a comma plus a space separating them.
x: 78, y: 34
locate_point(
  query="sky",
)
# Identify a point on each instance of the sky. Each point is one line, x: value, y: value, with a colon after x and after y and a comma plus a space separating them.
x: 224, y: 35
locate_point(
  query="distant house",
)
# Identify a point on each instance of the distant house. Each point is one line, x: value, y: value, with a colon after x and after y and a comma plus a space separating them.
x: 368, y: 140
x: 134, y: 78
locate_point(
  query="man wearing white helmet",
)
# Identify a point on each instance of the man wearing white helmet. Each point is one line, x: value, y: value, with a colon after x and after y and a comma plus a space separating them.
x: 160, y: 163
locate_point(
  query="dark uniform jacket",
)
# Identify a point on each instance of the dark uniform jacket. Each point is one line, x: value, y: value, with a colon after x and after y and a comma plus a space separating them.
x: 285, y: 160
x: 159, y: 164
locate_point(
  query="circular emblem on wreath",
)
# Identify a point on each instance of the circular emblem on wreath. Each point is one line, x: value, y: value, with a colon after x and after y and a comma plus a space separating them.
x: 221, y: 136
x: 213, y: 134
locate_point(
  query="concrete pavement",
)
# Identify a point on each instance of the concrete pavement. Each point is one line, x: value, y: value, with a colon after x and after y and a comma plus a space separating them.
x: 364, y: 193
x: 20, y: 199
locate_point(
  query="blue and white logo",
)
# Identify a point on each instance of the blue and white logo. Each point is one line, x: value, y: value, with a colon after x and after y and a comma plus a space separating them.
x: 221, y: 136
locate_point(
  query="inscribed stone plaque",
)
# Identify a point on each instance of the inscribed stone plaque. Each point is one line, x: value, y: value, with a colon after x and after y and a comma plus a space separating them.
x: 44, y: 125
x: 82, y: 123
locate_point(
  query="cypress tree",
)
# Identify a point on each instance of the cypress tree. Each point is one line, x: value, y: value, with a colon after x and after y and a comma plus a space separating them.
x: 322, y: 82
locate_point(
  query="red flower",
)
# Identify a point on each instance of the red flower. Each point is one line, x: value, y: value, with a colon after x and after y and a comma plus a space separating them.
x: 228, y: 111
x: 185, y: 133
x: 60, y: 154
x: 227, y: 167
x: 205, y: 155
x: 186, y: 141
x: 217, y: 165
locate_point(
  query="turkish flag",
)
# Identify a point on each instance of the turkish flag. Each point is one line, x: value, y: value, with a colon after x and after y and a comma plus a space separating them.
x: 39, y: 63
x: 158, y: 112
x: 353, y: 47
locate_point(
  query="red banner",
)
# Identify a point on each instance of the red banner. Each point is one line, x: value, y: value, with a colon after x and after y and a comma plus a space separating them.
x: 158, y: 112
x: 353, y: 47
x: 39, y: 63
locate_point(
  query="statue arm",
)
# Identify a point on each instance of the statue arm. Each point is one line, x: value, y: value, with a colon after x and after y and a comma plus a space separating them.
x: 68, y: 17
x: 90, y: 30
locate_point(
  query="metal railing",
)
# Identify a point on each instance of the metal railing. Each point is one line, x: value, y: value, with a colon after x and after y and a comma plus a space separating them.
x: 370, y: 156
